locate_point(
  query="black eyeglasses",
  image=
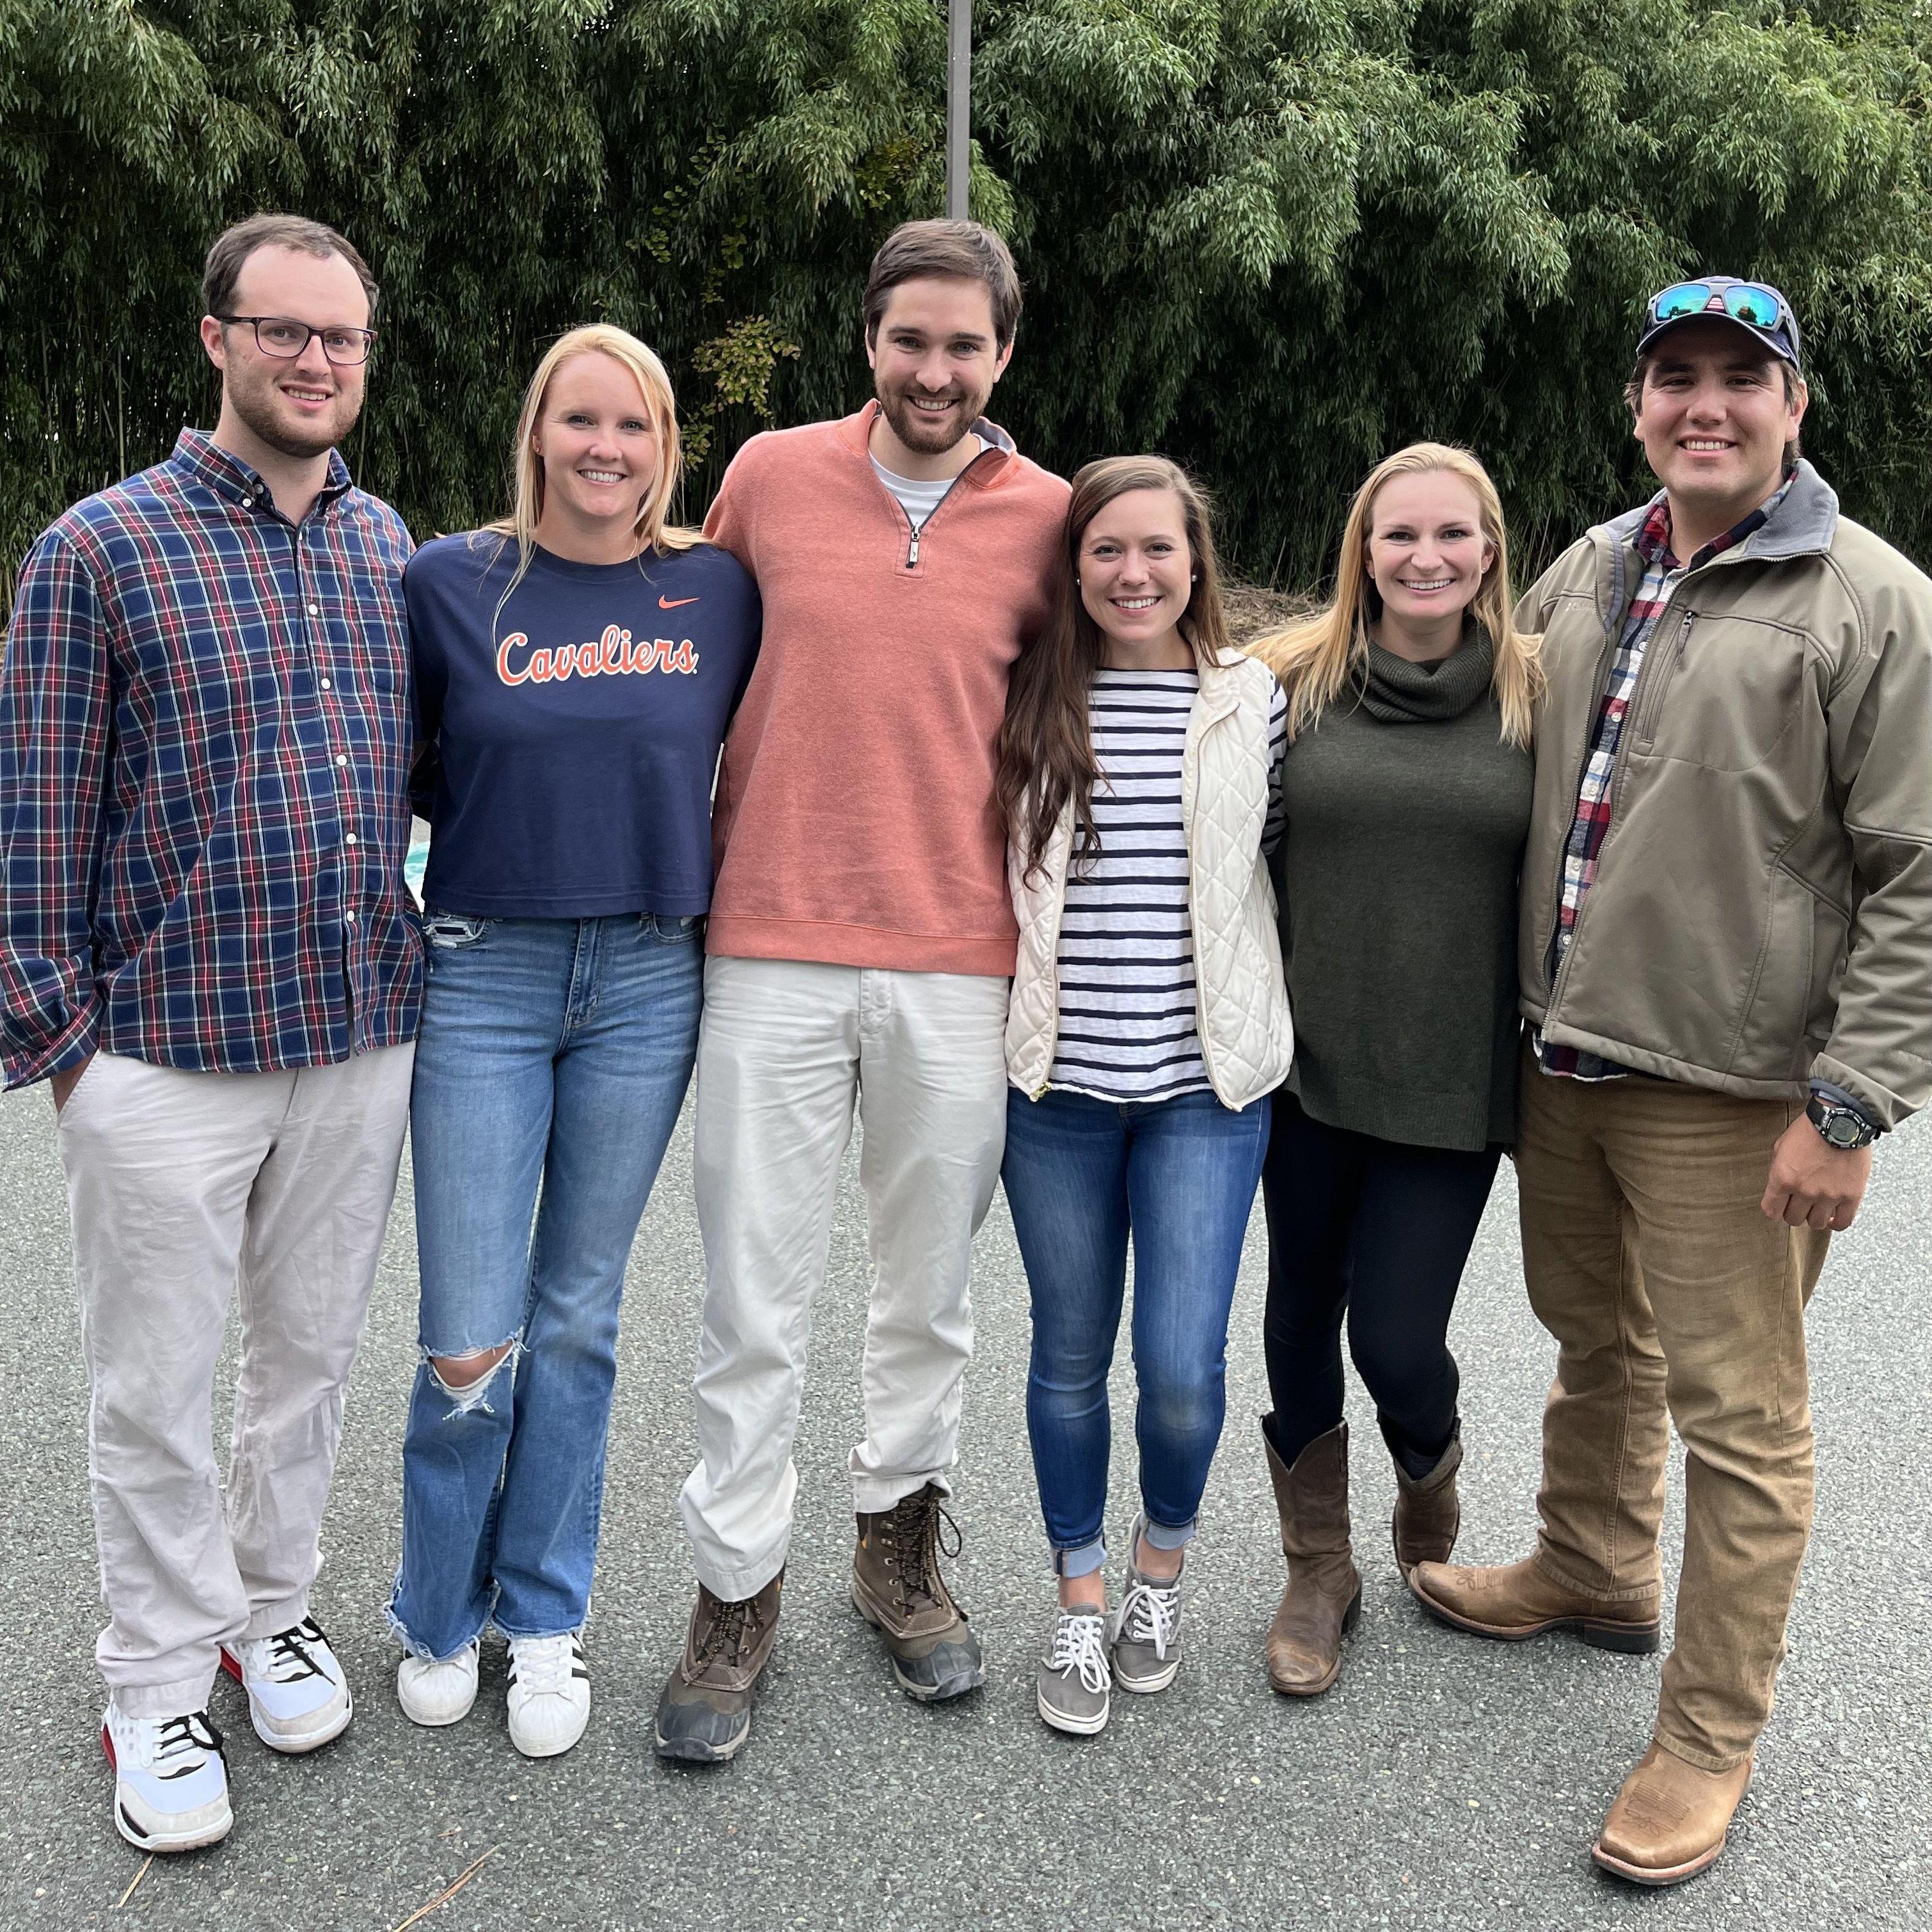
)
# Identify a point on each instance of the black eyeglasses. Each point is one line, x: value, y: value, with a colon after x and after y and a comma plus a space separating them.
x: 283, y: 337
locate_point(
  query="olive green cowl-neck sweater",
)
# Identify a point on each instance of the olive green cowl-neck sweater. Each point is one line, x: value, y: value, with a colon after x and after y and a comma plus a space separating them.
x: 1406, y: 817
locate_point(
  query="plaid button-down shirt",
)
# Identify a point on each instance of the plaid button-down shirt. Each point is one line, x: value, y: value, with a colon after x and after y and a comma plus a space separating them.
x: 1662, y: 574
x: 204, y: 739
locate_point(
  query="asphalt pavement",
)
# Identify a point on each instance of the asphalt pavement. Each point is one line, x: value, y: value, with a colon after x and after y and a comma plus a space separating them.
x: 1445, y: 1783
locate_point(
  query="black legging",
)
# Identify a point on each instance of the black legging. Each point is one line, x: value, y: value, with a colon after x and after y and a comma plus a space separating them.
x: 1382, y: 1230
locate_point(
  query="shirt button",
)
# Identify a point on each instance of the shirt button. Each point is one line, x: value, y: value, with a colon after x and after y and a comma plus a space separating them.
x: 325, y: 684
x: 247, y: 502
x: 340, y: 759
x: 350, y: 915
x: 315, y: 610
x: 349, y: 839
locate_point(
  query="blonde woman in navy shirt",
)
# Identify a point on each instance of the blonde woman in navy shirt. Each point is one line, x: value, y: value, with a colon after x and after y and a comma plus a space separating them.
x: 575, y: 665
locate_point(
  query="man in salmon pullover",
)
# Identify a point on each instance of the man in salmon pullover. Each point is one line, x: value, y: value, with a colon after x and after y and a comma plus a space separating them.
x: 860, y: 942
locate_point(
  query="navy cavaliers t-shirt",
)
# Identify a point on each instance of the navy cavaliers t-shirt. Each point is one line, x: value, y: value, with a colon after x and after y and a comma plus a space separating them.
x: 575, y: 730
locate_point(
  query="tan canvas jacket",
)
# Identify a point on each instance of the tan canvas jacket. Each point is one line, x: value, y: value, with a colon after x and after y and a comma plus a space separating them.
x: 1761, y: 912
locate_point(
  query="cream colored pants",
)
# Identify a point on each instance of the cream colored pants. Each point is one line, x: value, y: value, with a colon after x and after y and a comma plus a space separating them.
x: 186, y: 1188
x: 786, y: 1048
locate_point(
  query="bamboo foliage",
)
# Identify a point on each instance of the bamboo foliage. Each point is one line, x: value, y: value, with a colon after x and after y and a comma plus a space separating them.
x: 1273, y: 238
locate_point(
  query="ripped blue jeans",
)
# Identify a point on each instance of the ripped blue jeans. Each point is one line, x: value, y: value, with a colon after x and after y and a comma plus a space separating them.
x: 553, y: 1058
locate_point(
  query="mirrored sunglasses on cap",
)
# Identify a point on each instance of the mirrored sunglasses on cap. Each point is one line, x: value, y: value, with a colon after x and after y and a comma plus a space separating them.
x: 1757, y: 305
x: 1751, y: 302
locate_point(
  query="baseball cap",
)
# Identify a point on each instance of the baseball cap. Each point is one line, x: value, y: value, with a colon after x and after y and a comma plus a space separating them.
x: 1759, y: 310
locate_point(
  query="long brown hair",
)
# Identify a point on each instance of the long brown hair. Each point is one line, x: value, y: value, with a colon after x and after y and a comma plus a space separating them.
x: 1046, y: 751
x: 1317, y: 658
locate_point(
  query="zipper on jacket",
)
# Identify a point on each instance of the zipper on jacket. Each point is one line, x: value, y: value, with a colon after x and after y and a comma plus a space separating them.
x: 916, y: 531
x: 1653, y: 698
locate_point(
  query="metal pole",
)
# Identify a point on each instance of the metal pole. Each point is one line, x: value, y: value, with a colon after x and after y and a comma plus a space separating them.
x: 958, y: 105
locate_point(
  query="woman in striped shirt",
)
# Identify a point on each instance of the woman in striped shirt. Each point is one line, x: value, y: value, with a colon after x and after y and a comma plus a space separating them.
x: 1139, y: 774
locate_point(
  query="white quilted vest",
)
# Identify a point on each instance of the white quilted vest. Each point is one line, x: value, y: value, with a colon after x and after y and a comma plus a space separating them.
x: 1240, y: 1009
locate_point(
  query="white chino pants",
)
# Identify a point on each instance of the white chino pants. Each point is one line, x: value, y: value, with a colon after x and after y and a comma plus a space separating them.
x: 186, y: 1188
x: 785, y: 1048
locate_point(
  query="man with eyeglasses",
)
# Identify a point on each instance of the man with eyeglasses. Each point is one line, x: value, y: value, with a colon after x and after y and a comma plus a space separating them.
x: 205, y: 950
x: 1726, y: 960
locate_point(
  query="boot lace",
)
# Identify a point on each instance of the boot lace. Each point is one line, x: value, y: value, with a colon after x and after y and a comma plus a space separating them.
x: 1080, y: 1645
x: 725, y: 1635
x: 919, y: 1526
x: 1150, y: 1614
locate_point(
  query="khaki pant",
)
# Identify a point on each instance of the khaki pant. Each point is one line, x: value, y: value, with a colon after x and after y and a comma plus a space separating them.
x: 1649, y: 1260
x: 785, y: 1049
x: 185, y: 1188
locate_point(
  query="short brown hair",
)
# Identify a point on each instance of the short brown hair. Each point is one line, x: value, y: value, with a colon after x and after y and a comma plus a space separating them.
x: 234, y: 244
x: 962, y: 250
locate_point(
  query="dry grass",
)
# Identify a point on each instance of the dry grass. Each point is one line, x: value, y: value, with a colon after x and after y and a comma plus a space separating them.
x: 1252, y: 609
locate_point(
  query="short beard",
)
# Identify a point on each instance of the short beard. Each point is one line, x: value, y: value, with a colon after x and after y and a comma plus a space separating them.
x: 917, y: 432
x: 257, y: 415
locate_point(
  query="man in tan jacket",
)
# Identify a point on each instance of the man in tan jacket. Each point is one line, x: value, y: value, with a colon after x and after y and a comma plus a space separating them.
x: 1726, y: 960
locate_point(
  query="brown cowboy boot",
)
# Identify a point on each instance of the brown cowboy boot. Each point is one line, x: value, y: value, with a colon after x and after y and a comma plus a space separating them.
x: 1671, y: 1819
x: 1323, y: 1595
x: 896, y: 1587
x: 1427, y: 1512
x: 1512, y: 1601
x: 705, y: 1714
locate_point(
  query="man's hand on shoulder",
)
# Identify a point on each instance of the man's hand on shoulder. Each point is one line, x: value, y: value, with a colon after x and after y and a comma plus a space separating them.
x: 63, y: 1083
x: 1814, y: 1185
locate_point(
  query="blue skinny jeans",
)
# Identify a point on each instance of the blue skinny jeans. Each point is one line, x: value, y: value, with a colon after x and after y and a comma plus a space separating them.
x: 553, y: 1058
x: 1083, y: 1176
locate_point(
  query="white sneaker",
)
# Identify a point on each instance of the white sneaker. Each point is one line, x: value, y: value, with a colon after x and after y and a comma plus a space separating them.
x: 170, y: 1780
x: 432, y: 1693
x: 549, y: 1693
x: 297, y: 1696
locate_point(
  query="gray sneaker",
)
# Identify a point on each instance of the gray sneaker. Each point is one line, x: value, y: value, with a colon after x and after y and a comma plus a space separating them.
x: 1072, y: 1688
x: 1147, y: 1644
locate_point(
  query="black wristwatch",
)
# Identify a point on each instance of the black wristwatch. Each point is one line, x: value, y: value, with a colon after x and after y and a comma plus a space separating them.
x: 1844, y: 1128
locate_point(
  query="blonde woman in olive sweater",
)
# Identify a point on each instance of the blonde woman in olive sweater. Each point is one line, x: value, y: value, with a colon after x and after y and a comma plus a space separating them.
x: 1406, y: 792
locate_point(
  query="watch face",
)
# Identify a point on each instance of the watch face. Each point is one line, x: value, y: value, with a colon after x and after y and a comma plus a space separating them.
x: 1842, y: 1131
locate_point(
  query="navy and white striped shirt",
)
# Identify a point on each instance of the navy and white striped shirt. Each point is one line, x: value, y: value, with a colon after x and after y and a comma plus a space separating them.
x: 204, y: 739
x: 1126, y: 944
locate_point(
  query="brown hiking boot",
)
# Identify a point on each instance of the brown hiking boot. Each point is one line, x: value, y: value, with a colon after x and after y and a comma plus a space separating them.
x: 1670, y: 1820
x: 1427, y: 1512
x: 896, y: 1587
x: 705, y: 1714
x: 1323, y: 1596
x: 1514, y: 1600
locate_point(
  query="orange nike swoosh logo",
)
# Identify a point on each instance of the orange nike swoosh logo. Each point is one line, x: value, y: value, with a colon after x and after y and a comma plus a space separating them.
x: 672, y: 603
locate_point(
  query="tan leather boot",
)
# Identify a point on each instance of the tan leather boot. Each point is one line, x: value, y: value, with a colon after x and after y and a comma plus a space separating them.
x: 1323, y: 1595
x: 1427, y: 1511
x: 1670, y: 1820
x: 1514, y: 1600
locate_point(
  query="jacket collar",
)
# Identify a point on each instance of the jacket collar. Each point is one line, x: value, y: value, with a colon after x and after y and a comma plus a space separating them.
x: 1802, y: 525
x: 985, y: 469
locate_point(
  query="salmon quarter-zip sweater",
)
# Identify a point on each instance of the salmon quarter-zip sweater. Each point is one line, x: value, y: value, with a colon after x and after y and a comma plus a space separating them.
x: 855, y: 822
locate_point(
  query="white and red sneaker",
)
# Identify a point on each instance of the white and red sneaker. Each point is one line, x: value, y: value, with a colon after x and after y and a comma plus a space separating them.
x: 297, y: 1696
x: 170, y: 1779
